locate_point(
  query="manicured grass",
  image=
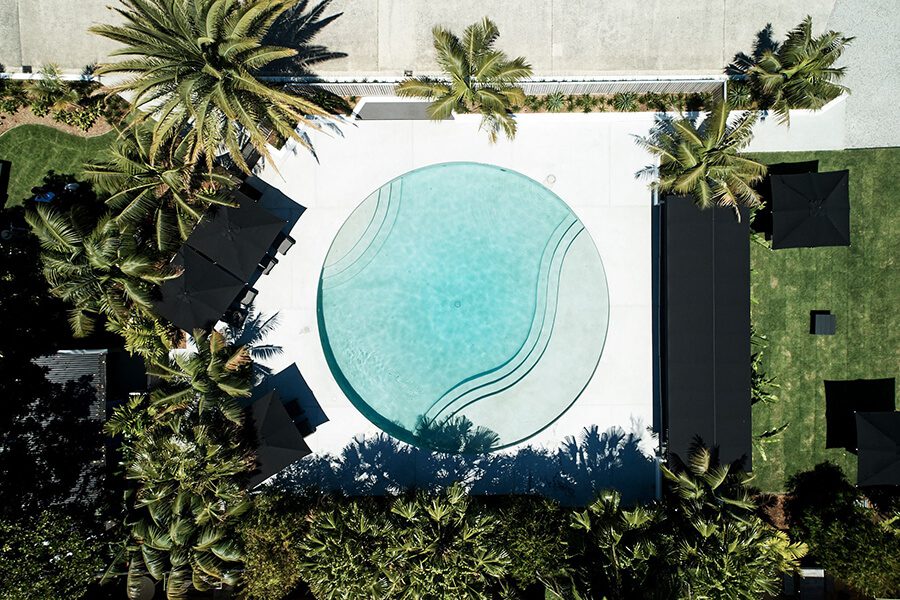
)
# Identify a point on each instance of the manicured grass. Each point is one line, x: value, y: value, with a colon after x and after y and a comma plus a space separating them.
x: 36, y: 149
x: 859, y: 284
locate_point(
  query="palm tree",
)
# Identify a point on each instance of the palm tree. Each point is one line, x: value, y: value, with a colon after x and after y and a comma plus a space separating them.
x: 715, y: 540
x: 704, y: 161
x: 50, y: 92
x: 443, y: 549
x: 95, y: 267
x: 478, y: 79
x: 620, y: 548
x: 187, y: 493
x: 193, y: 64
x: 164, y: 192
x: 251, y: 334
x: 800, y: 72
x: 214, y: 371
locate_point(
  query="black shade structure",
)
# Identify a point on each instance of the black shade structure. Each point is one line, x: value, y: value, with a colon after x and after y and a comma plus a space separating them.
x: 201, y: 295
x: 762, y: 220
x: 845, y: 397
x: 236, y: 238
x: 705, y: 328
x: 811, y: 210
x: 279, y: 442
x: 879, y: 448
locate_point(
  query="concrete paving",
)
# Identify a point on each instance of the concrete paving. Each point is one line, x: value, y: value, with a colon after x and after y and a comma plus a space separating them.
x: 872, y: 73
x: 592, y: 159
x: 386, y: 37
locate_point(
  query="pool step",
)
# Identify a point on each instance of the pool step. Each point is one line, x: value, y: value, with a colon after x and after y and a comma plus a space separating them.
x: 502, y: 377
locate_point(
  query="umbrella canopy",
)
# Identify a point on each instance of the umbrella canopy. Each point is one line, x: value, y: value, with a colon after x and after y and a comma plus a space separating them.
x: 236, y: 238
x: 201, y: 295
x: 845, y: 397
x: 878, y: 434
x: 811, y: 210
x: 280, y: 444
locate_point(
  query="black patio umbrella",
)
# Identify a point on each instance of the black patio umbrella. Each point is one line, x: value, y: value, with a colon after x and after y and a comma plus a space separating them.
x: 201, y: 295
x: 811, y: 210
x: 878, y: 434
x: 236, y: 238
x: 279, y: 442
x: 845, y: 397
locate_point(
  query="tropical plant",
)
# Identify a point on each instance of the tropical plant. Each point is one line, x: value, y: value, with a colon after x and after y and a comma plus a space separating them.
x: 95, y: 267
x: 161, y: 192
x: 478, y: 79
x: 704, y: 161
x: 252, y: 335
x: 208, y: 377
x: 533, y: 531
x: 272, y: 533
x: 52, y: 555
x: 620, y: 548
x: 716, y: 544
x: 740, y: 95
x: 856, y: 543
x: 555, y: 102
x: 187, y: 474
x: 193, y: 64
x: 345, y: 550
x: 625, y: 102
x: 49, y: 92
x: 799, y: 72
x: 442, y: 549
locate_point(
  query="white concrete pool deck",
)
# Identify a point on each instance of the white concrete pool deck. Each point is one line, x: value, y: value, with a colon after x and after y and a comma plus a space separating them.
x: 593, y: 160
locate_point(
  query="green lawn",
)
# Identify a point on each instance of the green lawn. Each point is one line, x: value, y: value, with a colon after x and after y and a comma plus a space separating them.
x: 859, y: 284
x: 36, y: 149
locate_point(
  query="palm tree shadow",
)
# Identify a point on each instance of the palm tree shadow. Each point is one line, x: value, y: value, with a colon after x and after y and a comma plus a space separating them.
x: 742, y: 61
x: 571, y: 474
x: 296, y: 29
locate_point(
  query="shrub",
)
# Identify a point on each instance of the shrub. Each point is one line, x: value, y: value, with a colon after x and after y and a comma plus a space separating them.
x: 271, y: 535
x: 533, y: 103
x: 555, y: 101
x: 48, y: 556
x: 533, y: 531
x: 625, y: 102
x: 740, y: 95
x: 853, y: 542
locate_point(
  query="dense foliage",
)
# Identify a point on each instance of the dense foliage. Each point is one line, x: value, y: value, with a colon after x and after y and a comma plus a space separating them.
x: 704, y: 160
x: 186, y: 455
x: 855, y: 543
x: 797, y: 73
x: 48, y: 443
x: 161, y: 194
x: 477, y: 78
x: 193, y: 66
x: 51, y: 555
x: 74, y: 103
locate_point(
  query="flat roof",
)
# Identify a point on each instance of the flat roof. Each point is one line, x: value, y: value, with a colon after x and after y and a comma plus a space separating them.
x: 706, y: 329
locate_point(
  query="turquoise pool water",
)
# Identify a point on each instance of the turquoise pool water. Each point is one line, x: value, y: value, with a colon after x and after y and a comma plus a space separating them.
x: 463, y: 307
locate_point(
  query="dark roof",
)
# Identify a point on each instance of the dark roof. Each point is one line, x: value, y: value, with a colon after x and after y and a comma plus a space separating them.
x: 705, y: 327
x: 236, y: 238
x: 879, y: 448
x: 72, y: 365
x: 845, y: 397
x: 279, y: 443
x: 200, y: 295
x: 810, y: 210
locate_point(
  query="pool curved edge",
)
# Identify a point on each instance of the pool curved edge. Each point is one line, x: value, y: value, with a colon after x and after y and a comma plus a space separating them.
x: 414, y: 436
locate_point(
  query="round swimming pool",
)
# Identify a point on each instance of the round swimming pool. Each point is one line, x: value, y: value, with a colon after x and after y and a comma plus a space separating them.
x: 463, y: 307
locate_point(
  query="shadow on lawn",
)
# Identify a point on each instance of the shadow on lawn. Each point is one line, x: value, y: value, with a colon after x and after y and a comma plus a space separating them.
x: 572, y: 474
